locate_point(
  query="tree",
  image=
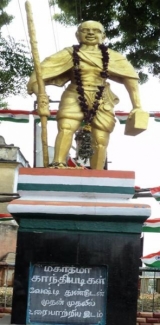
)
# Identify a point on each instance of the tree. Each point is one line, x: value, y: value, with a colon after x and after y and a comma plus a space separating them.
x: 132, y: 27
x: 5, y: 19
x: 3, y: 104
x: 15, y: 62
x: 16, y: 66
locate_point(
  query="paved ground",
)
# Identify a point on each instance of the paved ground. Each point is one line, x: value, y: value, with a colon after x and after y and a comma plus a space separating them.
x: 5, y: 320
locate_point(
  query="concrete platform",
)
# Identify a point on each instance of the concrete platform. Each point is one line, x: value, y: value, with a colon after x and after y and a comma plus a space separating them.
x: 6, y: 319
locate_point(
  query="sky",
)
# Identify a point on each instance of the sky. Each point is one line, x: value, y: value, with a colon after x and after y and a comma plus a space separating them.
x: 140, y: 153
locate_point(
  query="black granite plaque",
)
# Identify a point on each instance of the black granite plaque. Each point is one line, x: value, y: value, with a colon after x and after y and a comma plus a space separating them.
x: 67, y: 294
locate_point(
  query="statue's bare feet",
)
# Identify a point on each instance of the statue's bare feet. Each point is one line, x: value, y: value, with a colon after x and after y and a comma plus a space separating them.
x: 57, y: 165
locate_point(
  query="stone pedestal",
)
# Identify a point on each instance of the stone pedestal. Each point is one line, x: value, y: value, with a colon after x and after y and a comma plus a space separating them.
x: 71, y: 221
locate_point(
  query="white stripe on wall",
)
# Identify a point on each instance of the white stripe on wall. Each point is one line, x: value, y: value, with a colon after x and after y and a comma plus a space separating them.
x: 76, y: 210
x: 94, y: 181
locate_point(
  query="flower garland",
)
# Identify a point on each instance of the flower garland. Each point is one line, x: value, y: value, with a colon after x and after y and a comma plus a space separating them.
x: 84, y: 135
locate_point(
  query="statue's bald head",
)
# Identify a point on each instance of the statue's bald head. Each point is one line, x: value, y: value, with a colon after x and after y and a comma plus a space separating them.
x: 90, y: 27
x: 91, y: 23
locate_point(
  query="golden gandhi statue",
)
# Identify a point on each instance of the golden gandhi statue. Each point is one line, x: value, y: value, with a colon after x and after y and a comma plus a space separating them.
x: 88, y: 99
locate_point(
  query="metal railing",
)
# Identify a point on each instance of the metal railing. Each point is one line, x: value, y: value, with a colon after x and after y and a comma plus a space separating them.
x: 149, y: 290
x: 6, y: 288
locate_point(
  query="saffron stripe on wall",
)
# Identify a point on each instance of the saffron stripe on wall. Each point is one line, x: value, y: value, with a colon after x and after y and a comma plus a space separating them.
x: 77, y: 172
x: 78, y: 209
x: 86, y: 204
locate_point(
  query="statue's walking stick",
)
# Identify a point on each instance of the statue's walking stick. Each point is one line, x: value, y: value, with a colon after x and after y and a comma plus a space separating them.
x: 42, y: 98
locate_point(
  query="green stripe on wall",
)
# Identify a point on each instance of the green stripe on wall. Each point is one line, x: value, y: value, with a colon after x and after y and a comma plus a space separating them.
x: 122, y: 121
x: 154, y: 264
x: 75, y: 188
x: 40, y: 225
x: 5, y: 219
x: 150, y: 229
x: 38, y: 120
x: 10, y: 119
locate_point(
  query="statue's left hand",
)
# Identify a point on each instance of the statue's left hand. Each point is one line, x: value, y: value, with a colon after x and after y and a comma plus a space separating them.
x: 133, y: 111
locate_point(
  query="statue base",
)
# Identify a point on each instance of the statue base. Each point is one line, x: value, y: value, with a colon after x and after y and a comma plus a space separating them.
x: 78, y: 247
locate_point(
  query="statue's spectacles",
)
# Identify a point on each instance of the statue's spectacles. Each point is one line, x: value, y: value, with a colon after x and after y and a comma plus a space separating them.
x: 87, y: 30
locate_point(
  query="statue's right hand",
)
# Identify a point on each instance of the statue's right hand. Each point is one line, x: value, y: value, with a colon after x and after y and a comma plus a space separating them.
x: 43, y: 105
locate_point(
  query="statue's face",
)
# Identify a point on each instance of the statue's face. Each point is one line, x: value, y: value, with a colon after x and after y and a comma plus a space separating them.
x: 90, y: 33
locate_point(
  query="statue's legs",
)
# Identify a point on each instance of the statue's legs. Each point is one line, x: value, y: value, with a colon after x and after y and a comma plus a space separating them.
x: 100, y: 140
x: 66, y: 129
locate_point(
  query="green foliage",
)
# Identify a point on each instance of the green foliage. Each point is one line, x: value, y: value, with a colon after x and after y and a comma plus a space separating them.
x: 3, y: 104
x: 132, y: 27
x: 15, y: 63
x: 16, y: 66
x: 5, y: 19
